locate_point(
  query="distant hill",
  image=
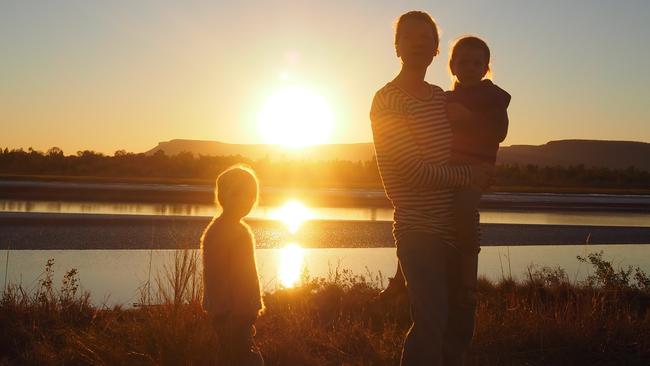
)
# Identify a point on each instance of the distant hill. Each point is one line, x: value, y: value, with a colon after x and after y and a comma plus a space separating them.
x: 591, y: 153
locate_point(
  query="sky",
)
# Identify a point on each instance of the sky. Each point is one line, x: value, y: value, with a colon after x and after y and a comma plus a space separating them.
x: 111, y: 75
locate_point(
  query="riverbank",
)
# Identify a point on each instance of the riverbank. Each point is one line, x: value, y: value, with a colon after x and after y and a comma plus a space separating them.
x: 99, y: 231
x: 544, y: 320
x: 76, y: 188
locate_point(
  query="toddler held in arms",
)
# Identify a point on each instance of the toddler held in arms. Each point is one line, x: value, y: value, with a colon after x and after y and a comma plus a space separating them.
x: 232, y: 296
x: 477, y: 111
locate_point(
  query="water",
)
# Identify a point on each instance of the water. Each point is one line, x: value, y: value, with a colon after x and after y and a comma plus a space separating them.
x: 115, y: 276
x: 326, y: 213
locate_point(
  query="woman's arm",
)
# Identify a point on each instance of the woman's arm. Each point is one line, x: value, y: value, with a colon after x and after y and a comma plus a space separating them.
x: 394, y: 140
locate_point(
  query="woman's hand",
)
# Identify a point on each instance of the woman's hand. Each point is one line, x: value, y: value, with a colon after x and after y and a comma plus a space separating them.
x: 458, y: 112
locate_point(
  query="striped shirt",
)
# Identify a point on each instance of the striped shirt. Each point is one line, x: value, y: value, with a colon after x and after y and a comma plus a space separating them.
x: 412, y: 140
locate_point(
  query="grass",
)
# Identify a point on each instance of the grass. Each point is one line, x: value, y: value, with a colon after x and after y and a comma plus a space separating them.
x: 543, y: 320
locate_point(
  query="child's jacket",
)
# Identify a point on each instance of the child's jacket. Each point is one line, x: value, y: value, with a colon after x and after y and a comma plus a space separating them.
x: 231, y: 284
x: 477, y: 140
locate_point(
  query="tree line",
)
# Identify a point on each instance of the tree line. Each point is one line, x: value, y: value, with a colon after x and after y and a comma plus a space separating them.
x: 335, y: 173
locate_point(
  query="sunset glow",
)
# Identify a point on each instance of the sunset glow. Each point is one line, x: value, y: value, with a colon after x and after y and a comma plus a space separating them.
x: 290, y: 264
x: 295, y: 117
x: 224, y: 182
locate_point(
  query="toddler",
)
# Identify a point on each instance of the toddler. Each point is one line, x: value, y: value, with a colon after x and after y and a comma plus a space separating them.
x: 477, y: 110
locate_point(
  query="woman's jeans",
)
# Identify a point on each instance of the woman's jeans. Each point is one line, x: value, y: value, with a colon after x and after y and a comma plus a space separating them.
x: 466, y: 219
x: 443, y: 315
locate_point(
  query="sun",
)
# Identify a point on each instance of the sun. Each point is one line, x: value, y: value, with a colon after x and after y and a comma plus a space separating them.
x: 295, y: 117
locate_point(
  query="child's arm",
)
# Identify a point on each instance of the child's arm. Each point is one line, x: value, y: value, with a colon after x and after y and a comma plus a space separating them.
x: 217, y: 272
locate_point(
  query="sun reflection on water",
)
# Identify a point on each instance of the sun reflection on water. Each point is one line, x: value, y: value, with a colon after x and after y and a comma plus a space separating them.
x: 293, y: 214
x: 290, y: 264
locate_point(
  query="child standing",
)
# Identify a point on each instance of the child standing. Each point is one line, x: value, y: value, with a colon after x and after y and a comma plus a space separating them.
x: 477, y: 110
x: 231, y: 286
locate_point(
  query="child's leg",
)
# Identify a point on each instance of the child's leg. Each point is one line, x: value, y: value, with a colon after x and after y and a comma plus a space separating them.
x: 236, y: 343
x: 254, y: 356
x: 466, y: 222
x: 246, y: 351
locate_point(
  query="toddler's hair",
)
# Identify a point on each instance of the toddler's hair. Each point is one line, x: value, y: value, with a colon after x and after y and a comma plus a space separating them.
x: 235, y: 185
x: 416, y: 15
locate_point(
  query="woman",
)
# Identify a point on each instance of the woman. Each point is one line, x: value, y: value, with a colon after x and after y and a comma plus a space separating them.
x: 412, y: 138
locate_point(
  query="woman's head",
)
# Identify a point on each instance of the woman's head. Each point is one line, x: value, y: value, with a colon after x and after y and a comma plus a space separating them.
x: 416, y: 38
x: 237, y: 190
x: 469, y: 61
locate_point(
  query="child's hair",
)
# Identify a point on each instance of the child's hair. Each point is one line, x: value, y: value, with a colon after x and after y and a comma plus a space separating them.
x: 417, y: 15
x: 469, y: 42
x: 236, y: 185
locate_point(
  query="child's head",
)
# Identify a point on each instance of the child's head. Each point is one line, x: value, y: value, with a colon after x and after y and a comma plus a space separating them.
x: 469, y: 61
x: 237, y: 190
x: 416, y: 38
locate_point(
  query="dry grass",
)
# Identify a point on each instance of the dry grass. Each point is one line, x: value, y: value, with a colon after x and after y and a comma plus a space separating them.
x: 546, y: 320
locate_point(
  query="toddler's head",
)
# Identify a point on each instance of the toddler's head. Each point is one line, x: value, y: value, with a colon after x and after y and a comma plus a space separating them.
x: 237, y: 190
x: 469, y: 61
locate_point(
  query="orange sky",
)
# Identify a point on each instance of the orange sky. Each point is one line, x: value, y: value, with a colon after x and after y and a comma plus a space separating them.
x: 108, y: 76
